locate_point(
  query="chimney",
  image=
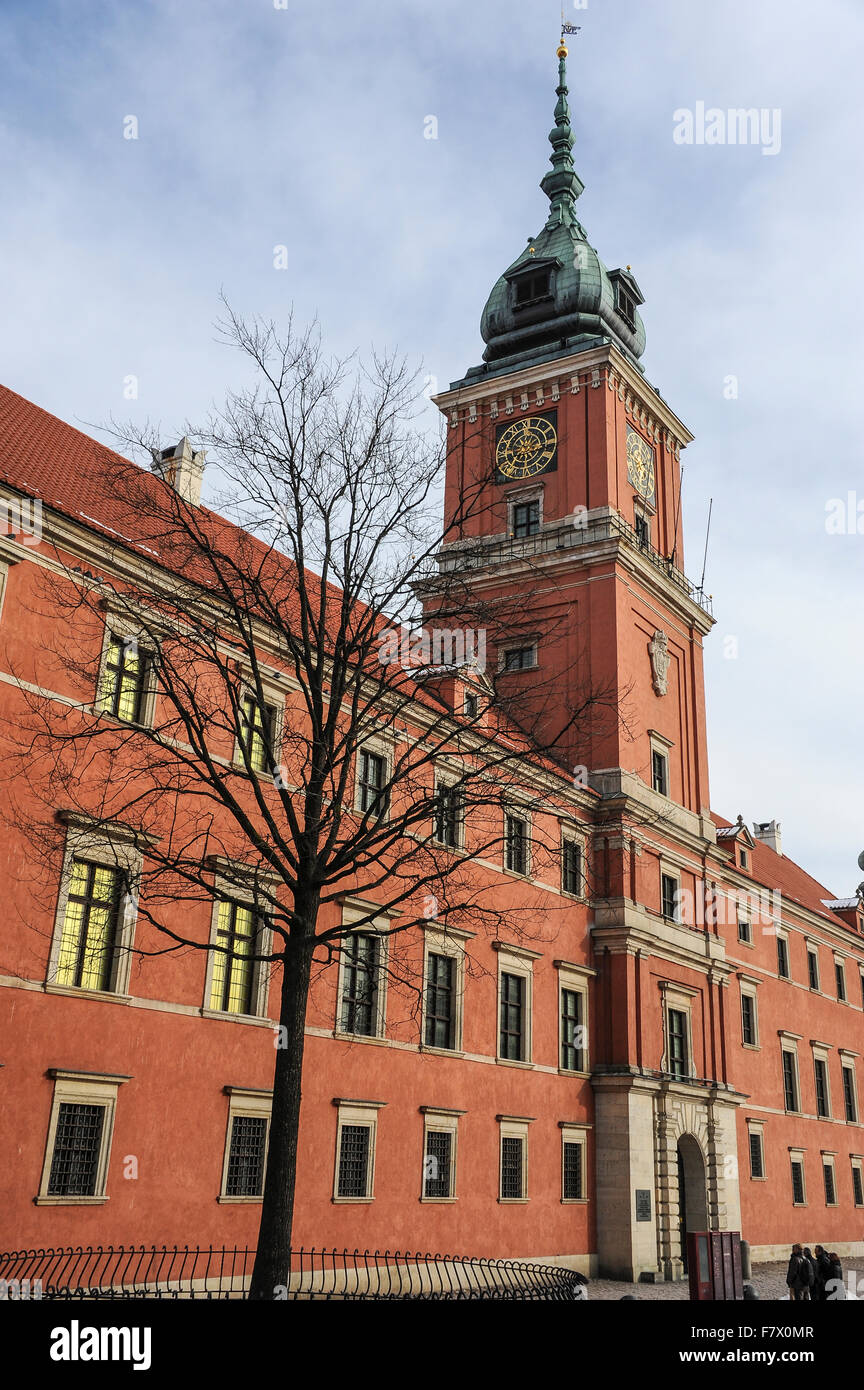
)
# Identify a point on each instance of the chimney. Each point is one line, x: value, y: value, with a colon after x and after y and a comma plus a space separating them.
x: 769, y: 833
x: 182, y: 468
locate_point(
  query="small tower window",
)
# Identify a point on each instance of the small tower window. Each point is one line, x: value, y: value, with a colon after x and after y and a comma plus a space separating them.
x: 626, y: 305
x: 643, y: 531
x: 532, y: 287
x: 525, y: 519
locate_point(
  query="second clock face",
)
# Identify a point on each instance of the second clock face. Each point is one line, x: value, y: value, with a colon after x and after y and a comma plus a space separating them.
x: 640, y: 465
x: 526, y: 448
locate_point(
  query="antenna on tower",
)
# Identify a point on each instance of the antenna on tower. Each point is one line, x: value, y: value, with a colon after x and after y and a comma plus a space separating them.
x: 705, y: 556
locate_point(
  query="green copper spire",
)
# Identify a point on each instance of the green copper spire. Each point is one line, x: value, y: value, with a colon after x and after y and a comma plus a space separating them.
x: 562, y: 185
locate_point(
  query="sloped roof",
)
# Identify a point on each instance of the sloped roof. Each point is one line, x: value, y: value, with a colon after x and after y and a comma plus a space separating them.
x: 777, y: 871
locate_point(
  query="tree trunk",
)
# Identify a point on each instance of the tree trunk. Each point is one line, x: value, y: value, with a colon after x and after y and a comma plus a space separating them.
x: 272, y: 1271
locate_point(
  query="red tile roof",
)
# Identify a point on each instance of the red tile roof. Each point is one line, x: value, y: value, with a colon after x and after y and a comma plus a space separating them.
x: 773, y: 870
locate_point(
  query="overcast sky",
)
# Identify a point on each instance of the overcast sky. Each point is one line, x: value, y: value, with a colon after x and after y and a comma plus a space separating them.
x: 303, y: 127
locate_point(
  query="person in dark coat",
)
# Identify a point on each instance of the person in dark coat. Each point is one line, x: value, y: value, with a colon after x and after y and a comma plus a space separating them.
x: 836, y: 1287
x: 798, y: 1276
x: 823, y: 1273
x: 808, y: 1255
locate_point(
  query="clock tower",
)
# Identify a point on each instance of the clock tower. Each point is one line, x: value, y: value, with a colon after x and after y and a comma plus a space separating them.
x: 563, y: 508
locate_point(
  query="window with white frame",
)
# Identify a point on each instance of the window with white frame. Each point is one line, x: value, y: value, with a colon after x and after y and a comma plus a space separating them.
x: 660, y: 751
x: 572, y: 865
x: 749, y: 1014
x: 783, y: 955
x: 361, y: 979
x: 443, y: 988
x: 515, y: 981
x: 519, y: 658
x: 246, y: 1141
x: 572, y: 1017
x: 858, y: 1180
x: 756, y: 1150
x: 237, y: 976
x: 573, y: 1154
x: 513, y: 1158
x: 840, y: 977
x: 78, y: 1143
x: 440, y: 1129
x: 258, y: 745
x: 127, y: 676
x: 526, y: 515
x: 356, y: 1136
x: 678, y: 1030
x: 799, y: 1184
x: 830, y: 1180
x: 821, y: 1081
x: 94, y: 925
x: 448, y: 814
x: 670, y: 888
x: 517, y: 841
x: 745, y: 931
x: 850, y: 1089
x: 791, y: 1088
x: 372, y: 780
x: 813, y: 966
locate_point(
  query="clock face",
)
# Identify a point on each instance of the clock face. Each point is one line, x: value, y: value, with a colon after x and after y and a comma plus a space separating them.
x: 640, y: 465
x: 526, y: 448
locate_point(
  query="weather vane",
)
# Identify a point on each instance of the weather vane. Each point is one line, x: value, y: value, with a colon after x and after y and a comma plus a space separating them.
x: 568, y: 28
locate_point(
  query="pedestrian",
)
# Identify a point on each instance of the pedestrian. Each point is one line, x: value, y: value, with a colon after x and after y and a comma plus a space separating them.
x: 823, y: 1273
x: 835, y: 1287
x: 811, y: 1269
x: 798, y: 1276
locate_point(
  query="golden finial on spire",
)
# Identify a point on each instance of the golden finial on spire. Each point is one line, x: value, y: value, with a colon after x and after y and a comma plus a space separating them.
x: 566, y: 29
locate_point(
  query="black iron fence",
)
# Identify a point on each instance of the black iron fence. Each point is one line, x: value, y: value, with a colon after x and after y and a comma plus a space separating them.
x: 181, y: 1272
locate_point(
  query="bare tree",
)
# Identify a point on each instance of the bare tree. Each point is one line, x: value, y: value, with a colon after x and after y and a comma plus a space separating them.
x: 307, y: 578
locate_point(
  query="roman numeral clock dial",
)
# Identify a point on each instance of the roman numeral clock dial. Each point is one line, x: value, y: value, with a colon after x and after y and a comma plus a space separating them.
x: 526, y: 448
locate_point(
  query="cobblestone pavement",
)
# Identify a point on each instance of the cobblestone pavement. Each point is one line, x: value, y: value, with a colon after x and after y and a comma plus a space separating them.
x: 769, y: 1281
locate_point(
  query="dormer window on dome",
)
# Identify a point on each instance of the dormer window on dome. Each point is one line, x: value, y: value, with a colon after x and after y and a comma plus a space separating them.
x: 532, y: 286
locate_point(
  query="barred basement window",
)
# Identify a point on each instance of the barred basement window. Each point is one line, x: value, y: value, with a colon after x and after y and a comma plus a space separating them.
x: 448, y: 815
x: 571, y: 867
x: 748, y: 1020
x: 438, y: 1163
x: 813, y: 969
x: 757, y: 1160
x: 89, y: 937
x: 840, y: 974
x: 798, y: 1197
x: 516, y: 844
x: 440, y: 1001
x: 572, y: 1054
x: 354, y: 1151
x: 512, y: 1045
x: 525, y: 519
x: 77, y: 1146
x: 124, y: 679
x: 669, y: 897
x: 830, y: 1189
x: 232, y: 986
x: 790, y: 1081
x: 256, y: 734
x: 245, y: 1176
x: 512, y: 1168
x: 678, y: 1061
x: 849, y: 1095
x: 359, y: 1012
x: 823, y: 1109
x: 372, y: 778
x: 572, y: 1172
x: 857, y: 1187
x: 783, y: 958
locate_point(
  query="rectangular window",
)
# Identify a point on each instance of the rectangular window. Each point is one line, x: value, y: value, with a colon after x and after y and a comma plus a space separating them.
x: 438, y: 1164
x: 124, y: 679
x: 512, y: 1042
x: 783, y: 958
x: 256, y: 734
x: 857, y: 1185
x: 246, y: 1153
x: 448, y: 815
x: 757, y: 1156
x: 89, y: 937
x: 743, y: 859
x: 572, y: 1054
x: 813, y: 968
x: 531, y: 287
x: 471, y: 706
x: 669, y: 897
x: 361, y: 964
x: 440, y: 1000
x: 678, y: 1061
x: 744, y: 932
x: 77, y: 1150
x: 849, y: 1099
x: 232, y: 985
x: 571, y: 867
x: 525, y: 519
x: 372, y: 781
x: 643, y: 530
x: 572, y: 1185
x: 840, y: 973
x: 830, y: 1188
x: 660, y: 772
x: 790, y: 1081
x: 823, y: 1109
x: 354, y: 1168
x: 798, y: 1192
x: 512, y: 1168
x: 748, y: 1020
x: 520, y: 658
x: 516, y: 844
